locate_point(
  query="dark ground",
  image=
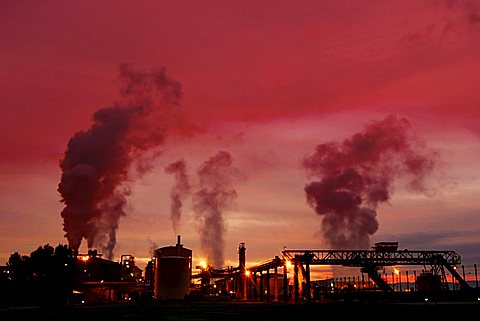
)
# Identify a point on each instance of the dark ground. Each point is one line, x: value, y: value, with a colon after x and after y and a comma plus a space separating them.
x: 246, y: 311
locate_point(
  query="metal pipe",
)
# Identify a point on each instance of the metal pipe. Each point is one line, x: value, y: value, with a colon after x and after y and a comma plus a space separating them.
x: 415, y: 279
x: 307, y: 272
x: 255, y: 286
x: 268, y: 285
x: 295, y: 281
x: 453, y: 282
x: 275, y: 285
x: 476, y: 276
x: 393, y: 281
x: 400, y: 280
x: 261, y: 286
x: 408, y: 282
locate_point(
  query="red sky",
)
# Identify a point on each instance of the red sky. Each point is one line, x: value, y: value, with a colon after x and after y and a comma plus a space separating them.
x: 265, y: 80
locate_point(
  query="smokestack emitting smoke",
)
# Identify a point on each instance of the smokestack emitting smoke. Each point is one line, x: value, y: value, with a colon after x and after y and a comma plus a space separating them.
x: 357, y: 175
x: 95, y: 168
x: 216, y: 194
x: 179, y: 191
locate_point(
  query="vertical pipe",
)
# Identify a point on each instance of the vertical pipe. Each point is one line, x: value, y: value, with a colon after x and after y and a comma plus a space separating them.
x: 415, y: 279
x: 408, y: 282
x: 308, y: 285
x: 268, y: 285
x: 245, y: 295
x: 363, y: 281
x: 285, y: 283
x: 295, y: 281
x: 400, y: 280
x: 260, y: 289
x: 476, y: 276
x: 453, y: 283
x: 275, y: 285
x: 255, y: 286
x: 393, y: 282
x: 463, y: 272
x: 249, y: 288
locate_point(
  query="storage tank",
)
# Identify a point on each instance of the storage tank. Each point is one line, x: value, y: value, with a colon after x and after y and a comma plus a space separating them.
x: 173, y: 269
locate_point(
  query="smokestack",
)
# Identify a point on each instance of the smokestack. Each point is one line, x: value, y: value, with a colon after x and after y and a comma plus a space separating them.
x: 355, y: 176
x: 96, y: 167
x: 216, y: 194
x: 178, y: 240
x: 241, y: 257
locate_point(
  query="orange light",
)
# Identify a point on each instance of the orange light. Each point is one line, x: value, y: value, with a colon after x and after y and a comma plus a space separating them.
x: 203, y: 264
x: 397, y: 272
x: 288, y: 264
x: 84, y: 258
x: 247, y: 273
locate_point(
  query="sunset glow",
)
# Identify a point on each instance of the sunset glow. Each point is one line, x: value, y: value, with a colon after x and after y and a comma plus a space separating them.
x: 305, y: 124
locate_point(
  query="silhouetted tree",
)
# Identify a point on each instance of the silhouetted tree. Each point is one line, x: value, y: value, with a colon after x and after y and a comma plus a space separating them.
x: 46, y: 276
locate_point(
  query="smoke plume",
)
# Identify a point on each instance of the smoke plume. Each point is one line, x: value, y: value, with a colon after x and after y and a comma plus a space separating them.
x: 355, y: 176
x: 179, y: 191
x: 216, y: 194
x: 95, y: 168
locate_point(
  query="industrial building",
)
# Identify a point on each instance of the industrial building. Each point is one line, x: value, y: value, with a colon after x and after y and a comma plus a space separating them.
x: 285, y: 278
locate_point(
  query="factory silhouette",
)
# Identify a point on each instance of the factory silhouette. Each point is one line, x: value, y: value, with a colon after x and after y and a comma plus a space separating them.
x: 61, y: 275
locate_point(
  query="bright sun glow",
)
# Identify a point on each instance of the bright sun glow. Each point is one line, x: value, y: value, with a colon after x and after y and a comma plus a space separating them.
x: 397, y: 272
x: 247, y: 273
x: 288, y: 264
x: 84, y: 258
x: 203, y: 264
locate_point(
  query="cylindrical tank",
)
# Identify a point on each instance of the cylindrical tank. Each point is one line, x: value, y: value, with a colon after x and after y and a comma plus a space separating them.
x: 173, y: 268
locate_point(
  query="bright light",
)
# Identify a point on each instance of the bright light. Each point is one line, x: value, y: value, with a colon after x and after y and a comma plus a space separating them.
x: 454, y: 267
x: 203, y: 264
x: 84, y: 258
x: 397, y: 272
x: 247, y: 272
x: 288, y: 264
x: 331, y: 284
x: 426, y: 299
x: 83, y: 301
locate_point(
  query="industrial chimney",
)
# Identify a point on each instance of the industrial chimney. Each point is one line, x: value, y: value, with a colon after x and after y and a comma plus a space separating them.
x: 241, y: 257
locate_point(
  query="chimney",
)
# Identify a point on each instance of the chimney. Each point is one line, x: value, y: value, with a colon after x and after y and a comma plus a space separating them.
x: 179, y: 246
x: 241, y: 257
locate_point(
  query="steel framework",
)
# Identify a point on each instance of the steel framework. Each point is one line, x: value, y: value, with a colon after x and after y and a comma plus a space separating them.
x: 361, y: 258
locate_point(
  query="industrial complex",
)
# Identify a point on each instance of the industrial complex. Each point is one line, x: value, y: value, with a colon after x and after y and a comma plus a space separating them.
x: 382, y: 273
